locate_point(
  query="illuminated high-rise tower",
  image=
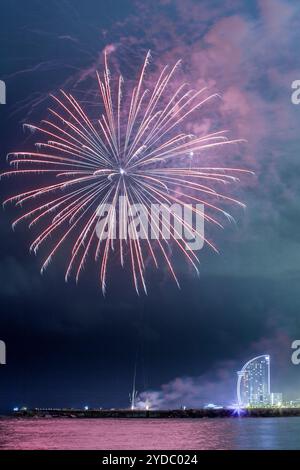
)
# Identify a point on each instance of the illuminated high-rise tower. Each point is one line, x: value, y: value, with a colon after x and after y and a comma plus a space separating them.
x: 253, y: 385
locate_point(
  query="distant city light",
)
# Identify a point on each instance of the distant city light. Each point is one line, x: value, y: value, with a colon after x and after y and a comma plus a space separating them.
x: 86, y: 408
x: 237, y: 410
x: 147, y: 405
x: 16, y: 408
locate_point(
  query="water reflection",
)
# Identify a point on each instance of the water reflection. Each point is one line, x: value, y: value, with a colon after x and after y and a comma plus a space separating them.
x: 226, y: 433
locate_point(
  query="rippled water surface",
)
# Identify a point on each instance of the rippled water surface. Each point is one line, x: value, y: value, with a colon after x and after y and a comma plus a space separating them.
x: 226, y: 433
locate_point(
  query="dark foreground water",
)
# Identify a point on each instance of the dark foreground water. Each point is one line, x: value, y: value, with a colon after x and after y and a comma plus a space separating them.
x: 111, y: 434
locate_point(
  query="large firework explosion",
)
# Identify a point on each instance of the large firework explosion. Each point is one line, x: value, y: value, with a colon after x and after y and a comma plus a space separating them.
x: 136, y: 149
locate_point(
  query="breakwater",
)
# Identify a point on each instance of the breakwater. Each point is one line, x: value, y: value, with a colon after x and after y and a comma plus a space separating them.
x: 157, y: 414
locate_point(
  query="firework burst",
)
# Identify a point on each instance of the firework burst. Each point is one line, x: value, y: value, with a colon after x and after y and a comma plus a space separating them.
x: 135, y: 149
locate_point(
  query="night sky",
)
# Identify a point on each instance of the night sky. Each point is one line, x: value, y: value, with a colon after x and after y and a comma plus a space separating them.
x: 67, y: 345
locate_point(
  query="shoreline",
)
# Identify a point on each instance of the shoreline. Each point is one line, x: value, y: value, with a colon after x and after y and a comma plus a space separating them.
x: 156, y: 414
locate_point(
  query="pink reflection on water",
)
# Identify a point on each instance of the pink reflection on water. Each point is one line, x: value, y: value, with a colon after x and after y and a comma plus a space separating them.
x: 155, y: 434
x: 114, y: 434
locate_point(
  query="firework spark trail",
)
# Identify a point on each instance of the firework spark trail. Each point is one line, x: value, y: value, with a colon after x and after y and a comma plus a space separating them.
x: 136, y: 152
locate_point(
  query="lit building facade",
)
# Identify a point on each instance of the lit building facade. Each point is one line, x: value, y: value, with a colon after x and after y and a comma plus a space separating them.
x: 276, y: 399
x: 253, y: 385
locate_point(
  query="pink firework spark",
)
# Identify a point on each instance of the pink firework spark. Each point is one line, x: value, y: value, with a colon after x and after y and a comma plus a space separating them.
x: 137, y: 151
